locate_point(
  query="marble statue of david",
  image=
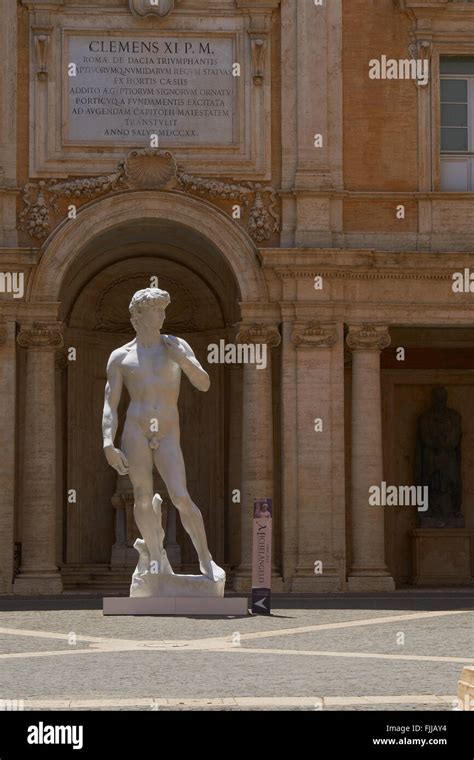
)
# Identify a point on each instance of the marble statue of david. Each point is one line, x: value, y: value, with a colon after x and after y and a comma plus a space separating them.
x: 150, y: 368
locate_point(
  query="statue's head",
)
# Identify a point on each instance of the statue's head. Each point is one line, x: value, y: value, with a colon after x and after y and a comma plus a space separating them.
x: 439, y: 397
x: 148, y: 307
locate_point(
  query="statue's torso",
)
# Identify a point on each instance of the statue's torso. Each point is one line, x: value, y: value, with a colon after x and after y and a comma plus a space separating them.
x: 441, y: 431
x: 152, y: 379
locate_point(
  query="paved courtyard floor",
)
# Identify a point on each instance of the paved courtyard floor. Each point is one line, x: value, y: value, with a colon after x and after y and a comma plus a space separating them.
x: 399, y: 651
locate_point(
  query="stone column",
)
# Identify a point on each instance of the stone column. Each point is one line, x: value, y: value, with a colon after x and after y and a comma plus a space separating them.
x: 320, y: 478
x: 8, y: 446
x: 368, y: 571
x: 39, y: 573
x: 257, y: 440
x: 289, y: 448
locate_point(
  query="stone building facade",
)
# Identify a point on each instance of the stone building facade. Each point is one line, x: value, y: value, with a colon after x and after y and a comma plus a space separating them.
x: 292, y: 200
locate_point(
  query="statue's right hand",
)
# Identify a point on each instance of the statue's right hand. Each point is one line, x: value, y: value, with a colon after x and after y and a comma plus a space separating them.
x: 116, y: 459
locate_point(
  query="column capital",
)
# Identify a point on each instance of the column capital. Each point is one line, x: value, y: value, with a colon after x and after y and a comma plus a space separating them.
x: 313, y: 334
x: 259, y: 332
x: 368, y: 337
x: 41, y: 335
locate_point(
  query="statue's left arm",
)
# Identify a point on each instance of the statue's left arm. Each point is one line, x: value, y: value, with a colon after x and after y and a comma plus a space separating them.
x: 182, y: 353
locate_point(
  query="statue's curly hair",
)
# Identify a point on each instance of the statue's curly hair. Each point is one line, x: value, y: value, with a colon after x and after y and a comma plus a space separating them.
x: 144, y: 299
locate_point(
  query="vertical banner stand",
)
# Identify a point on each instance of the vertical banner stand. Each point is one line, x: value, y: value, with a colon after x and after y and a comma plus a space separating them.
x: 262, y: 556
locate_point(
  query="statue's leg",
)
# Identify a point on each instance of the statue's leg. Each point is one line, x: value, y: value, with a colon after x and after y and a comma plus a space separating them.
x: 136, y: 448
x: 170, y: 464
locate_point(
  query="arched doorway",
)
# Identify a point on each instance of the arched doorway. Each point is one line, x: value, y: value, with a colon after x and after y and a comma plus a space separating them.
x: 91, y: 267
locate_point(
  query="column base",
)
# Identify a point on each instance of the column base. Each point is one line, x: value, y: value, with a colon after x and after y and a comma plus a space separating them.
x: 371, y: 581
x: 5, y: 586
x: 38, y: 584
x: 307, y: 581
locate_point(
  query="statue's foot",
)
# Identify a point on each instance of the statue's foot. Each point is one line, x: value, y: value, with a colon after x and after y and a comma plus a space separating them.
x: 212, y: 571
x: 165, y: 564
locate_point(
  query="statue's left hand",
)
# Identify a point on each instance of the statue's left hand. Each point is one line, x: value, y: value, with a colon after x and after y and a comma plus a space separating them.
x: 175, y: 349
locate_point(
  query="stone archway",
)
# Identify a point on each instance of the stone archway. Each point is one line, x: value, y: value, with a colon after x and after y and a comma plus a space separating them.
x: 125, y: 232
x: 64, y: 247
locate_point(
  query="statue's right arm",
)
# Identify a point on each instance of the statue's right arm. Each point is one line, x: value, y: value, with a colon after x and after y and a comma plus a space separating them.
x: 113, y: 391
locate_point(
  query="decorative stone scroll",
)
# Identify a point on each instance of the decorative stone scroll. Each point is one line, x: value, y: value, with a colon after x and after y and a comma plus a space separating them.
x: 41, y: 335
x: 143, y: 8
x: 314, y: 335
x: 147, y: 169
x: 368, y: 337
x: 259, y: 332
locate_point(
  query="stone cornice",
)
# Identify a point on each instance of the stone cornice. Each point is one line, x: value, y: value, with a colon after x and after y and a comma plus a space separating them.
x: 341, y: 274
x: 41, y: 335
x: 314, y: 335
x: 259, y: 332
x: 427, y: 7
x: 444, y: 9
x: 257, y: 5
x: 430, y: 4
x: 368, y: 337
x: 362, y: 264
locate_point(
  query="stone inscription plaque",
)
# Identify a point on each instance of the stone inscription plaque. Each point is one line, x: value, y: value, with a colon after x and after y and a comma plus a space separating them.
x: 128, y: 88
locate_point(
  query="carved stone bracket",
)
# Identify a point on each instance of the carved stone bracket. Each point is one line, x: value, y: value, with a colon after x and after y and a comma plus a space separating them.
x: 368, y: 338
x: 420, y: 50
x: 41, y: 335
x: 258, y: 60
x: 42, y: 38
x: 148, y: 169
x: 259, y: 332
x: 314, y: 335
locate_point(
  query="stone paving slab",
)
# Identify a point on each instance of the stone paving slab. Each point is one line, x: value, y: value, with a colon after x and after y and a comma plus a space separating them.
x: 202, y: 674
x: 93, y: 622
x: 182, y: 659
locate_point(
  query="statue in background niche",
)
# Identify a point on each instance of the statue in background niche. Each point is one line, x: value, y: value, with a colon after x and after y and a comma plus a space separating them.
x: 438, y: 462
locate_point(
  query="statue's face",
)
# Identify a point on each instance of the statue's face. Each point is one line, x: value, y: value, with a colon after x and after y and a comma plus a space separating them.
x: 152, y: 318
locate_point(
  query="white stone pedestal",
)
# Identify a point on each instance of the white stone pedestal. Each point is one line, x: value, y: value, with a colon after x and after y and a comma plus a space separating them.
x: 123, y: 605
x: 163, y: 585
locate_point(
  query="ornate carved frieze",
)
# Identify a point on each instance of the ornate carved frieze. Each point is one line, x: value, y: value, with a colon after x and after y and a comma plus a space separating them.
x: 41, y: 335
x: 259, y: 332
x: 314, y: 335
x: 148, y: 169
x: 368, y: 337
